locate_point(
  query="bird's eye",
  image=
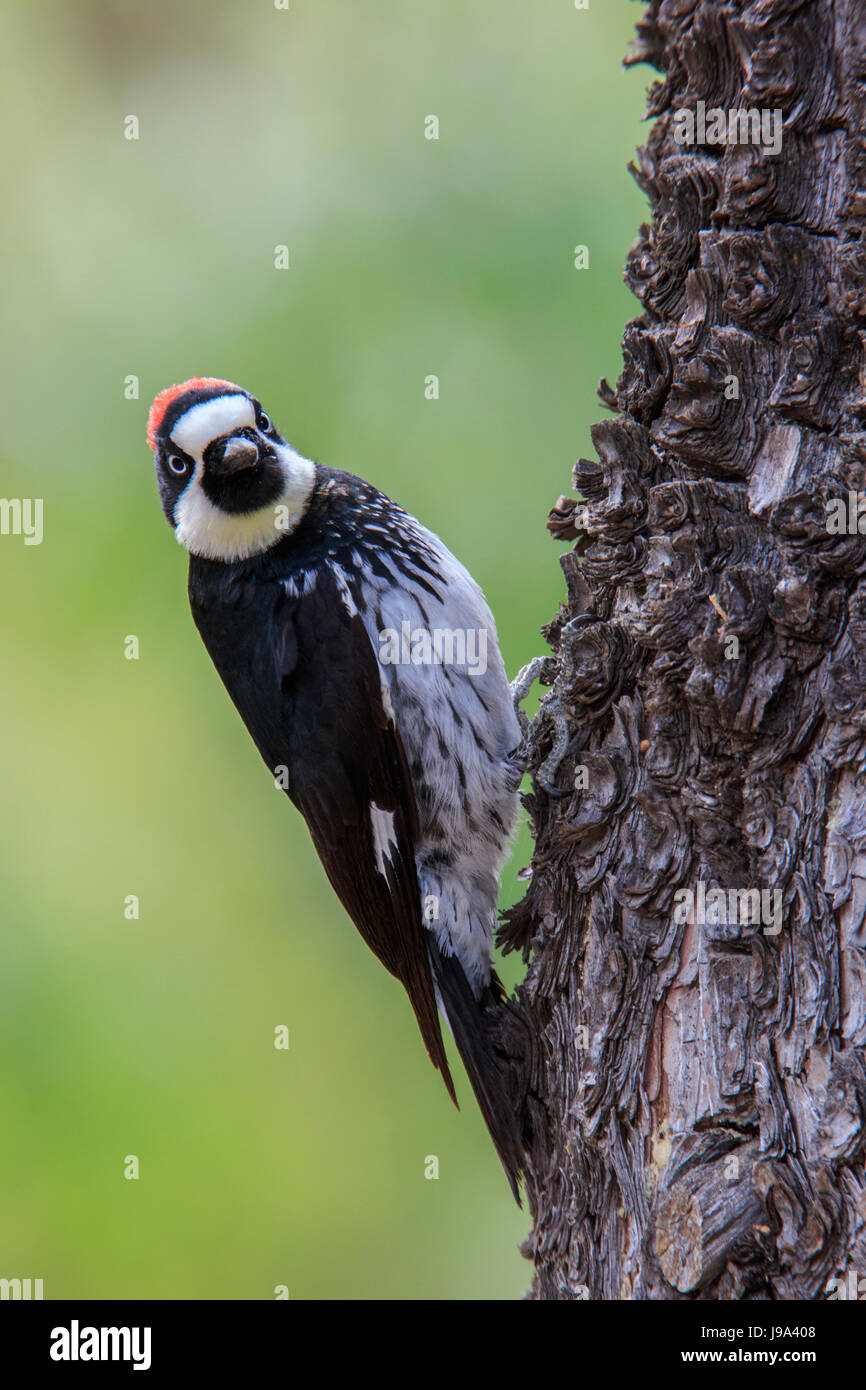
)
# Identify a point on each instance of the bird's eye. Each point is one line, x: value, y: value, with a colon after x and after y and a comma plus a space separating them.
x: 264, y: 422
x: 176, y: 463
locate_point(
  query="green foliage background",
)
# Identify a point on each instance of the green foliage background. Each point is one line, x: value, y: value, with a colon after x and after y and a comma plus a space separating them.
x: 155, y: 257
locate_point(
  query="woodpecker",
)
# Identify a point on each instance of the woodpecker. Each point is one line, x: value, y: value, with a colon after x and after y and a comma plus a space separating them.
x: 363, y: 659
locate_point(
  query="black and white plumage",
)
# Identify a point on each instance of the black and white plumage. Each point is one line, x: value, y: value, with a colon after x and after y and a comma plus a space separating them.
x: 363, y: 659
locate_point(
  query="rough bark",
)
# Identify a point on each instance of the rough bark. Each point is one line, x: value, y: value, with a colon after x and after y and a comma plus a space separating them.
x: 696, y: 1089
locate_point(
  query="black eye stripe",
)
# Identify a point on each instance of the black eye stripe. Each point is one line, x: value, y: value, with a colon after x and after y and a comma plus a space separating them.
x: 171, y: 453
x: 263, y: 420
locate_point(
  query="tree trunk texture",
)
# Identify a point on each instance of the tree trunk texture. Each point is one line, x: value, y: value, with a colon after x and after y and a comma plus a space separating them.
x: 695, y: 1085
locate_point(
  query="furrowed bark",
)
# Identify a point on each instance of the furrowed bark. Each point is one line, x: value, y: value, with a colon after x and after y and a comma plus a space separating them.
x: 695, y: 1089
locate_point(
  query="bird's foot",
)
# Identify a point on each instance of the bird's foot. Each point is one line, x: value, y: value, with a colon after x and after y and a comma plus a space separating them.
x: 521, y: 686
x: 550, y: 710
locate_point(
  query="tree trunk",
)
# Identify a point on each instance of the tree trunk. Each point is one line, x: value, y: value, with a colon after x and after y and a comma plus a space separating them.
x: 696, y: 1084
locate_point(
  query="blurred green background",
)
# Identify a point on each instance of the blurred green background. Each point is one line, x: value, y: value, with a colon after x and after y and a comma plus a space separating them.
x: 155, y: 258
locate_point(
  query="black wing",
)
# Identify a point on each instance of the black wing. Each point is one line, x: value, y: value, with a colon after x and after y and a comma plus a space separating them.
x: 305, y: 680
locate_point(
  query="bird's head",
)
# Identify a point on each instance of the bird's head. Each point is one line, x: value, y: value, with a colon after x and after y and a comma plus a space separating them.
x: 229, y: 484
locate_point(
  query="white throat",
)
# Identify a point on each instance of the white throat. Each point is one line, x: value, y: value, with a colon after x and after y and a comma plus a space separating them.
x: 216, y: 535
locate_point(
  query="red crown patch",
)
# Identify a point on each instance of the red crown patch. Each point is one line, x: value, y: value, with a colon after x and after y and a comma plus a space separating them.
x: 165, y: 398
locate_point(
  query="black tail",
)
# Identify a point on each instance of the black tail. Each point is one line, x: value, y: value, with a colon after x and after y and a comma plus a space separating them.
x: 471, y: 1026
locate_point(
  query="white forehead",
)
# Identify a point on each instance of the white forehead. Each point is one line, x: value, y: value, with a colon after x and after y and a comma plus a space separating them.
x: 201, y: 423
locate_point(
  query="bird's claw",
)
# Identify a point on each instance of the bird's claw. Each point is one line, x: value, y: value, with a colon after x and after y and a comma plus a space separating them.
x: 550, y: 709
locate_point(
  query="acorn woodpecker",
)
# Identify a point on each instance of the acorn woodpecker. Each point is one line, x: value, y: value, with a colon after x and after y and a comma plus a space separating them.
x: 363, y: 659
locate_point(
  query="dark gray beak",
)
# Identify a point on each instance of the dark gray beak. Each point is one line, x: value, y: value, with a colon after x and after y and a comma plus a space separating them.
x: 232, y: 455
